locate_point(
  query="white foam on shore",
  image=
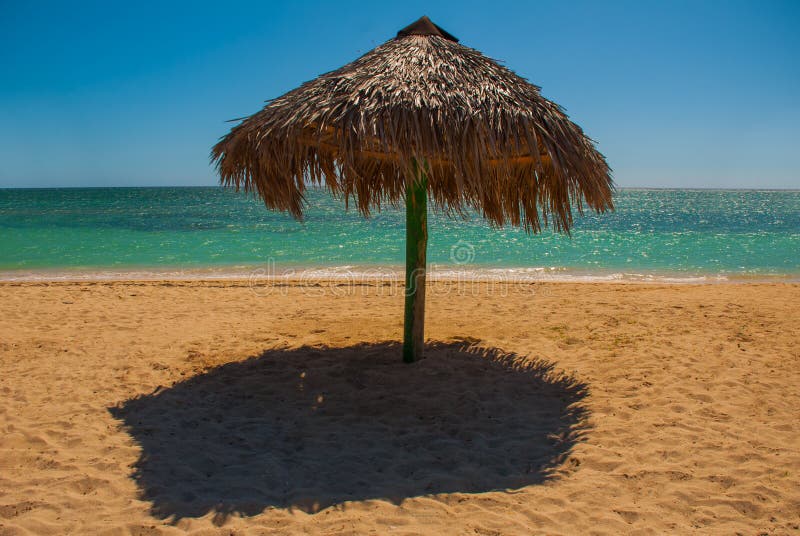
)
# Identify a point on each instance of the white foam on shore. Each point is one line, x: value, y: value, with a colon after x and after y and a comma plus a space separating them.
x: 356, y: 274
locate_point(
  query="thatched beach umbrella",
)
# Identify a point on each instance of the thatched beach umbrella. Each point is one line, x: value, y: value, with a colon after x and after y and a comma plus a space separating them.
x: 420, y: 116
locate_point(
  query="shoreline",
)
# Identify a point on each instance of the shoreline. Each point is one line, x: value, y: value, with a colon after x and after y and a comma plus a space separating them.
x: 260, y: 274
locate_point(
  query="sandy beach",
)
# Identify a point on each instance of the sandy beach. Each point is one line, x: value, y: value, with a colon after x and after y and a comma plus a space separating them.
x: 212, y: 407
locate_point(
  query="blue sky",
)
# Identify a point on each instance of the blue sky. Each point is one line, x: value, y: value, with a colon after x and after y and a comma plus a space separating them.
x: 677, y: 93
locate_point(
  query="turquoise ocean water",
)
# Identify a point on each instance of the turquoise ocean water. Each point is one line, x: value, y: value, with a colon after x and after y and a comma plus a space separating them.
x: 690, y: 235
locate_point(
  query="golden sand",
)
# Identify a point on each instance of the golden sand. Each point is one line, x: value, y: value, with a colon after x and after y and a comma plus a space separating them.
x: 211, y: 407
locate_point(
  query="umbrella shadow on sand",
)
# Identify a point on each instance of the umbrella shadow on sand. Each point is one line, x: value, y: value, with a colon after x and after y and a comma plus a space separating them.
x: 313, y: 427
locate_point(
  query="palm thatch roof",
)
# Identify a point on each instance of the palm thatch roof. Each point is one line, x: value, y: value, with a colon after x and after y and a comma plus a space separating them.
x: 486, y: 137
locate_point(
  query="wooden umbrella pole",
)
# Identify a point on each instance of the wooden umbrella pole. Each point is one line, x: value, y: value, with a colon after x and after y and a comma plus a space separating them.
x: 416, y: 258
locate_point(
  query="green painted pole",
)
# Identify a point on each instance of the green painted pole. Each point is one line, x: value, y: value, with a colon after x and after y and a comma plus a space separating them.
x: 416, y: 258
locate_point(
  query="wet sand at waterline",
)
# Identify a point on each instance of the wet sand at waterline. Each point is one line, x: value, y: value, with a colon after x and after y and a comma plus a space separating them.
x: 212, y: 407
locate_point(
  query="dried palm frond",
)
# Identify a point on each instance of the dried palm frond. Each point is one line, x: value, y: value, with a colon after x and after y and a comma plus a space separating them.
x: 486, y: 136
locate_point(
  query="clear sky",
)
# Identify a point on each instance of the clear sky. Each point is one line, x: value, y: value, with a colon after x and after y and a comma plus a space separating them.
x: 677, y: 93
